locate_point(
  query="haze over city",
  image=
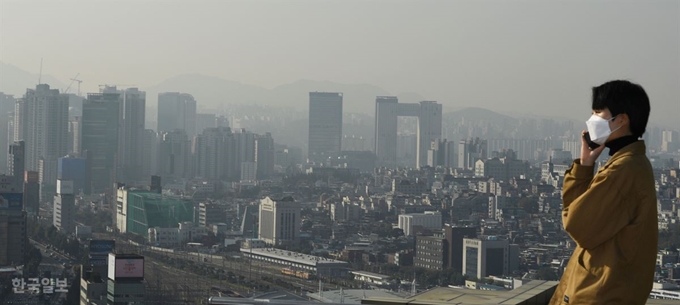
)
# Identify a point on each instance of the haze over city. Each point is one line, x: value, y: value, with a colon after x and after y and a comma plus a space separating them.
x: 524, y: 57
x: 339, y: 152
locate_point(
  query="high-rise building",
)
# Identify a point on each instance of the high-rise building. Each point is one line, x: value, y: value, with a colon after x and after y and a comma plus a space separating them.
x: 74, y: 169
x: 177, y: 111
x: 13, y: 238
x: 100, y: 125
x: 387, y: 111
x: 64, y: 214
x: 264, y: 155
x: 31, y: 193
x: 469, y: 151
x: 205, y: 121
x: 132, y: 136
x: 150, y: 153
x: 243, y: 149
x: 6, y: 127
x: 16, y: 162
x: 441, y: 153
x: 485, y: 256
x: 454, y: 237
x: 325, y: 125
x: 211, y: 156
x: 45, y: 131
x: 74, y: 133
x: 19, y: 120
x: 248, y: 171
x: 125, y: 279
x: 173, y: 155
x: 279, y: 221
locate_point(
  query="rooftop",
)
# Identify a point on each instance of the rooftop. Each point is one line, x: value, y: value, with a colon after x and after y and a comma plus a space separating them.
x: 301, y: 258
x: 371, y: 274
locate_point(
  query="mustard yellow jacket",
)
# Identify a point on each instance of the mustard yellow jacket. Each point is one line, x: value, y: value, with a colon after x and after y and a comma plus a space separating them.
x: 612, y: 217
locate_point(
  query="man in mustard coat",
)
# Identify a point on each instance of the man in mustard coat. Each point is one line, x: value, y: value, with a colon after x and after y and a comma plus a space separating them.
x: 611, y: 214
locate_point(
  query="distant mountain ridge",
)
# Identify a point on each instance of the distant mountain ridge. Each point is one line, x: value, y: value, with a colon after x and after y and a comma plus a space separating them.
x: 215, y: 93
x: 15, y: 81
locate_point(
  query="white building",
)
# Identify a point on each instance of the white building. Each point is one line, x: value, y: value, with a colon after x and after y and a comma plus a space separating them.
x: 121, y: 209
x: 428, y: 220
x: 279, y: 220
x: 187, y: 232
x: 63, y: 217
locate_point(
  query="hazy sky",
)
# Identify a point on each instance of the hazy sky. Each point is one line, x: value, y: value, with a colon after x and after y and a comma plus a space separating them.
x: 523, y: 56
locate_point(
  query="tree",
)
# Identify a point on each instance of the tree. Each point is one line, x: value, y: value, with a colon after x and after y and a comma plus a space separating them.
x: 546, y: 274
x: 397, y: 232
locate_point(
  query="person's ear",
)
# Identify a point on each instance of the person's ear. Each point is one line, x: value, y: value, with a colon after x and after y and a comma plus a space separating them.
x: 625, y: 120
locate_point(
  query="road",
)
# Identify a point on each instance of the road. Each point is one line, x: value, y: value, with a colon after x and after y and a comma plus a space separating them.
x: 53, y: 262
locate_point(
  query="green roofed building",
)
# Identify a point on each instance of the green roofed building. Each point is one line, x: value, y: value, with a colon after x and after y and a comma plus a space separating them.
x: 140, y: 210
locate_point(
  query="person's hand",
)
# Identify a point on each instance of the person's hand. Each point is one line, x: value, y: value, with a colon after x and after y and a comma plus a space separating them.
x: 589, y: 156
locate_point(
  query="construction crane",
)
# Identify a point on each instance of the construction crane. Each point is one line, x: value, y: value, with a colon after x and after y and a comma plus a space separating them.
x: 75, y: 78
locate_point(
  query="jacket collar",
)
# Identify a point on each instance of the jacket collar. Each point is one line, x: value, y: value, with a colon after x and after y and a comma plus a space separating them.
x: 635, y: 148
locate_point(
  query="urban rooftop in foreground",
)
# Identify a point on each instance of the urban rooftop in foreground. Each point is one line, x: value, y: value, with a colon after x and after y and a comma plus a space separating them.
x: 531, y: 293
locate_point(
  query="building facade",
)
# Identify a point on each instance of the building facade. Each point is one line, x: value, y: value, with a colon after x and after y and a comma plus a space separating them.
x: 45, y: 133
x: 125, y: 283
x: 485, y: 257
x: 74, y: 169
x: 174, y: 155
x: 132, y: 136
x: 431, y: 252
x: 279, y: 221
x: 388, y: 110
x: 16, y: 160
x: 13, y: 237
x: 177, y: 111
x: 454, y: 237
x: 100, y: 128
x: 427, y: 220
x: 138, y: 210
x: 63, y: 217
x: 325, y: 125
x: 211, y: 212
x: 31, y: 190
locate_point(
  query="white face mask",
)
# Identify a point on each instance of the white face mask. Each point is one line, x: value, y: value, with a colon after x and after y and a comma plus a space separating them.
x: 599, y: 130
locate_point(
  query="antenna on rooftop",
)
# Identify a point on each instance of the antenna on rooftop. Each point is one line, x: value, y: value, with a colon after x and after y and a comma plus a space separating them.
x: 40, y: 75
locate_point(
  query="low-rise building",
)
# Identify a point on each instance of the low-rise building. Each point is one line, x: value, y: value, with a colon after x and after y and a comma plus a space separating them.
x: 172, y: 237
x: 321, y: 266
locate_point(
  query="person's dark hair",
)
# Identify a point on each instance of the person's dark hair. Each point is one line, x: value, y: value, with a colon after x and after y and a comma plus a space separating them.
x: 622, y: 96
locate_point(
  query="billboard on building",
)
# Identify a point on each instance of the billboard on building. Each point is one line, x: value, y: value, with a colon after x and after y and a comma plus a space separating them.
x: 11, y: 201
x: 101, y: 247
x: 126, y: 267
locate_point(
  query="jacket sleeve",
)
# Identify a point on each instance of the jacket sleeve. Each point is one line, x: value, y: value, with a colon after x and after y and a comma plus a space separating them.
x: 593, y: 211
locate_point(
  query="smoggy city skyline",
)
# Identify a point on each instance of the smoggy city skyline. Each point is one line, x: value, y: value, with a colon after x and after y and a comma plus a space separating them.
x: 530, y: 57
